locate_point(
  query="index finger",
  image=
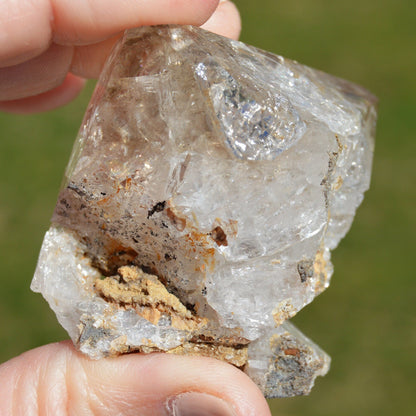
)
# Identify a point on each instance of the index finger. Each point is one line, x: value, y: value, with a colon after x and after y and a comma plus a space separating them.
x: 27, y: 27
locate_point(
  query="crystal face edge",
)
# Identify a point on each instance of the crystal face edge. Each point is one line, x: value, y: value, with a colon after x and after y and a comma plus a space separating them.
x: 178, y: 172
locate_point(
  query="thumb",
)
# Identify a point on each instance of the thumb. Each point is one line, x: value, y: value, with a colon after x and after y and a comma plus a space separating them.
x: 57, y: 380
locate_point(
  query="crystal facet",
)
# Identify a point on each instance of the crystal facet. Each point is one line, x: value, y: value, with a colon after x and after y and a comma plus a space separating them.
x: 207, y: 186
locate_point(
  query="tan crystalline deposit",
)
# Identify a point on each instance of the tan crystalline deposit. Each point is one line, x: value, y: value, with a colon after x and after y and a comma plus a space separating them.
x: 144, y: 292
x: 208, y: 184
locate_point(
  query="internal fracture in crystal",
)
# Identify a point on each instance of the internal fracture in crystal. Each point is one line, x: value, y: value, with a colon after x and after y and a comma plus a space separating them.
x: 207, y: 186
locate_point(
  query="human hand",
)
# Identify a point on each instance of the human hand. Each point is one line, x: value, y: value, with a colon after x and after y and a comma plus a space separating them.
x: 48, y: 47
x: 57, y: 380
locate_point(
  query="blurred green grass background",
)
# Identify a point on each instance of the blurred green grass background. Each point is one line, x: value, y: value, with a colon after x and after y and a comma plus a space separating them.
x: 366, y: 320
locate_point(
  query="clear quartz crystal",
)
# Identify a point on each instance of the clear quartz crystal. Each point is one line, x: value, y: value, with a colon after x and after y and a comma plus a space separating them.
x: 220, y: 177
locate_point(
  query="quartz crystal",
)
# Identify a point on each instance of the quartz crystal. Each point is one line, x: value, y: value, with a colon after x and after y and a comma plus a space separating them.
x: 207, y: 186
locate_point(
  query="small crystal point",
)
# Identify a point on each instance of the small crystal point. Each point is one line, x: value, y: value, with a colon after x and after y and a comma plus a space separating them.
x: 207, y: 186
x: 284, y: 363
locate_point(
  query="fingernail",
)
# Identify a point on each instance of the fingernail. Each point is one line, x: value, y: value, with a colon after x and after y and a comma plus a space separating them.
x: 198, y: 404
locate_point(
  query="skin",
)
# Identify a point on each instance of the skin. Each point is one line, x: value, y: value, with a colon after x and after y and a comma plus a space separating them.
x: 57, y: 380
x: 47, y: 50
x: 48, y: 47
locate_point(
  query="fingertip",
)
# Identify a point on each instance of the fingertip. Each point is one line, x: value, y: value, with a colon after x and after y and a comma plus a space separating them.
x: 88, y: 61
x: 25, y: 30
x: 80, y: 23
x: 28, y: 28
x: 36, y: 76
x: 57, y: 379
x: 161, y: 378
x: 225, y: 20
x: 50, y: 100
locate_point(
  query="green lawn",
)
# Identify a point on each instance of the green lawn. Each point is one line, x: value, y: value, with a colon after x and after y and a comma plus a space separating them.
x: 367, y: 319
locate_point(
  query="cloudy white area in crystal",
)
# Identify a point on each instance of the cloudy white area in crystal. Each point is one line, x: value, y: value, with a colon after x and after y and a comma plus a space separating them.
x: 221, y: 176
